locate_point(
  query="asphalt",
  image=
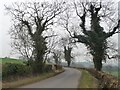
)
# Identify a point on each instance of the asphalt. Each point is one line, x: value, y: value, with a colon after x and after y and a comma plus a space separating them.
x: 68, y: 79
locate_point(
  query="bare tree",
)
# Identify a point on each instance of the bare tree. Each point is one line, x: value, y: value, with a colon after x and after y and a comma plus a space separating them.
x: 57, y: 56
x: 112, y: 49
x: 51, y: 43
x: 21, y: 43
x: 33, y: 18
x: 96, y: 37
x: 67, y: 45
x: 67, y: 25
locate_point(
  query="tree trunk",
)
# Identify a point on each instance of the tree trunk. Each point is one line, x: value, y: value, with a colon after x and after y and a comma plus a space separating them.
x: 67, y: 52
x: 40, y: 48
x: 68, y: 63
x: 97, y: 62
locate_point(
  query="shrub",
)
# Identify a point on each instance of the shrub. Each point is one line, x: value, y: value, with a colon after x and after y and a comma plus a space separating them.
x: 58, y: 67
x: 105, y: 80
x: 12, y: 69
x: 48, y: 68
x: 37, y: 67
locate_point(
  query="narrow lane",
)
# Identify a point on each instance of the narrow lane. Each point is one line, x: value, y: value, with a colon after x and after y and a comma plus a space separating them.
x: 67, y: 79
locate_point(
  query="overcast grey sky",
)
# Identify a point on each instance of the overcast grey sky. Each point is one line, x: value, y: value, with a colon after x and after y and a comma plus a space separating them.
x: 5, y: 24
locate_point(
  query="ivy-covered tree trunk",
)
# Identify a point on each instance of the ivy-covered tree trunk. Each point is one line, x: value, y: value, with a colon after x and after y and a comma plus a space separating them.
x: 67, y: 52
x: 97, y: 60
x: 96, y: 38
x: 69, y: 62
x: 39, y: 49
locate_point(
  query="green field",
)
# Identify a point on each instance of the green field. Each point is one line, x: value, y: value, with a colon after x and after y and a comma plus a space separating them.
x: 11, y: 60
x: 114, y: 73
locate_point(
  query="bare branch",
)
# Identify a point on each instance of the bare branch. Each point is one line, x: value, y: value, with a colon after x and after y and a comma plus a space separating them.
x: 114, y: 30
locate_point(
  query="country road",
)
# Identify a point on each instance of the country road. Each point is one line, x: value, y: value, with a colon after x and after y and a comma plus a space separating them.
x: 67, y: 79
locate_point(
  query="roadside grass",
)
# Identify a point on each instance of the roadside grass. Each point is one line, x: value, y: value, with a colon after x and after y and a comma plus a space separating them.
x: 0, y: 76
x: 0, y: 85
x: 0, y: 73
x: 11, y: 60
x: 29, y: 80
x: 0, y: 60
x: 87, y: 80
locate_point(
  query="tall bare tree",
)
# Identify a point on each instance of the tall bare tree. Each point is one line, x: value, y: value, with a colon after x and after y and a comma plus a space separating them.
x: 32, y: 19
x: 67, y: 24
x: 96, y: 37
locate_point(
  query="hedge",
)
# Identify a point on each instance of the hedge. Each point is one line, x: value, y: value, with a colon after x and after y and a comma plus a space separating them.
x: 20, y: 70
x: 12, y: 69
x: 106, y: 81
x: 58, y: 67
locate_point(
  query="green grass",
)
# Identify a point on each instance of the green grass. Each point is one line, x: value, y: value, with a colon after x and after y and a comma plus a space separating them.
x: 87, y: 80
x: 11, y: 60
x: 0, y: 73
x: 115, y: 73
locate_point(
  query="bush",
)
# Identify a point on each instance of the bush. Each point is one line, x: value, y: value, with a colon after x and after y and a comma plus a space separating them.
x: 12, y: 69
x: 58, y: 67
x: 37, y: 67
x: 48, y: 68
x: 106, y: 80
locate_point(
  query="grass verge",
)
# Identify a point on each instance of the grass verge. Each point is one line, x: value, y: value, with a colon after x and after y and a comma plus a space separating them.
x: 29, y: 80
x: 87, y: 80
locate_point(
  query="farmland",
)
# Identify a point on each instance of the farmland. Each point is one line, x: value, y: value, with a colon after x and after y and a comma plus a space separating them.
x: 115, y: 73
x: 11, y: 60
